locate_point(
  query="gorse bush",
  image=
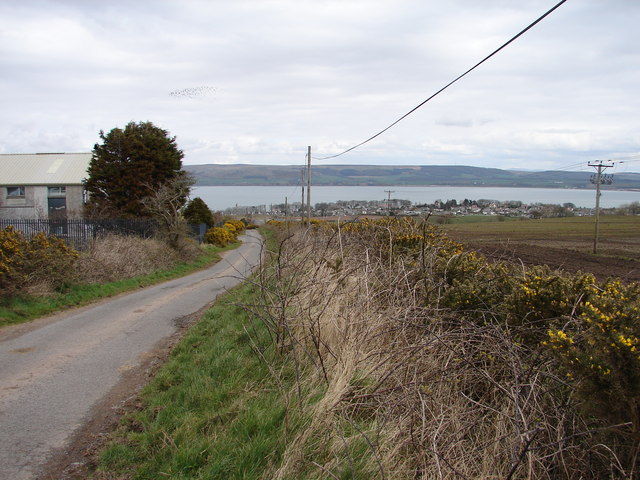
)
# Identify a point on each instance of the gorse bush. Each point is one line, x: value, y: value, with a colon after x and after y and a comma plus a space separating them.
x: 433, y: 362
x: 233, y: 230
x: 227, y: 233
x: 39, y: 262
x: 12, y: 244
x: 218, y: 236
x: 599, y: 349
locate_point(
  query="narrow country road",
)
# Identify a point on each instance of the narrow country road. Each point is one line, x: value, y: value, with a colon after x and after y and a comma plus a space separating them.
x: 52, y: 375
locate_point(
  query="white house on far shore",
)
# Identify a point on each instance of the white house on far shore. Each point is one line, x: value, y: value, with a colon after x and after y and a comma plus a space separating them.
x: 42, y: 185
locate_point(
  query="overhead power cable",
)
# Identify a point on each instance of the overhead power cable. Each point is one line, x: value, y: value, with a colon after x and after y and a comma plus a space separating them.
x: 628, y: 159
x: 514, y: 38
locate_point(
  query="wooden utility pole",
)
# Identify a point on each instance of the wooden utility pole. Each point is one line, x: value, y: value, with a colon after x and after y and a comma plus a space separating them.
x: 389, y: 192
x: 599, y: 179
x: 302, y: 201
x: 286, y: 213
x: 309, y: 186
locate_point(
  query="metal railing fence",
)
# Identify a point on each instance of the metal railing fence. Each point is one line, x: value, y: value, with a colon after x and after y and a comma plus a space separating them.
x: 78, y: 233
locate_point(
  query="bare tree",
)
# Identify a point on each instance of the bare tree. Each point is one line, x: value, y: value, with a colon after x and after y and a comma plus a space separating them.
x: 165, y: 206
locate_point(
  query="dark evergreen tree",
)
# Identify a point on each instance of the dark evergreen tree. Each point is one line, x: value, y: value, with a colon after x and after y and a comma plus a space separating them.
x: 197, y: 211
x: 129, y: 166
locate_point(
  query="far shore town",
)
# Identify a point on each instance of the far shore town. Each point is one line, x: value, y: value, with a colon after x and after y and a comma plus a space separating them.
x: 440, y: 208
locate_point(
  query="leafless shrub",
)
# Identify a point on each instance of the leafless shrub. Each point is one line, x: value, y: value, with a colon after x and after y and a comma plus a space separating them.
x: 165, y: 205
x: 116, y: 257
x: 428, y: 393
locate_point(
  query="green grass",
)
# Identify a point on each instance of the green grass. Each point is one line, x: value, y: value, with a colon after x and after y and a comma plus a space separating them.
x: 212, y: 412
x: 25, y: 308
x: 215, y: 410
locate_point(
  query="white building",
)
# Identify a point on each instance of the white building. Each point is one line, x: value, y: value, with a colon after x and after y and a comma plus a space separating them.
x: 42, y: 185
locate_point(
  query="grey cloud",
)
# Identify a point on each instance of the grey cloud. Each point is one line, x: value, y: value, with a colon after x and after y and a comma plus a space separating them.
x: 330, y: 74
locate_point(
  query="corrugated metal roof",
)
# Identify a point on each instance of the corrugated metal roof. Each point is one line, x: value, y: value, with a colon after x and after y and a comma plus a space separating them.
x: 44, y: 168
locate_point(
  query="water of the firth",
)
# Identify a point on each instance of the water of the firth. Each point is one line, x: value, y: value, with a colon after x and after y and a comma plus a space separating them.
x: 221, y: 198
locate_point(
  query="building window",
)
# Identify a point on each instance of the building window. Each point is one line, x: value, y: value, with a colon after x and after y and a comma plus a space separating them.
x: 15, y: 191
x: 57, y: 191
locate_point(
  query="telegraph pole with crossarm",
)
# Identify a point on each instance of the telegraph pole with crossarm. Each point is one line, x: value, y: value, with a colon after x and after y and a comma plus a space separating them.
x: 599, y: 179
x: 389, y: 201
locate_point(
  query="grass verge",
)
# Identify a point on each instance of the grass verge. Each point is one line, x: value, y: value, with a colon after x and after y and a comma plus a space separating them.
x: 213, y: 411
x: 383, y: 390
x: 25, y: 308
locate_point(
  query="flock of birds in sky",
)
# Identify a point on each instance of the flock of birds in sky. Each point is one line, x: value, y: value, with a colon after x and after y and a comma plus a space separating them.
x: 193, y: 92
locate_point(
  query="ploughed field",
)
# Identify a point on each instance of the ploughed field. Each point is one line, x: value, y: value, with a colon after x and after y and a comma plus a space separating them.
x: 562, y: 243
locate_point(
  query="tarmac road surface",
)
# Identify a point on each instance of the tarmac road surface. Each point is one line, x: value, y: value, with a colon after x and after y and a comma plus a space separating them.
x: 52, y: 374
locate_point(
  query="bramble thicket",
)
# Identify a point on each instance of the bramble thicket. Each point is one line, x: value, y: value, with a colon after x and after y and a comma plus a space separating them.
x: 442, y: 364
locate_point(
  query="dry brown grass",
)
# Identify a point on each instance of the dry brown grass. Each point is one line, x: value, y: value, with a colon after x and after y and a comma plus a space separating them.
x: 395, y: 389
x: 115, y: 257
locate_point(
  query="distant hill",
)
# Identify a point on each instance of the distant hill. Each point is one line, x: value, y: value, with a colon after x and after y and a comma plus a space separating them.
x: 382, y: 175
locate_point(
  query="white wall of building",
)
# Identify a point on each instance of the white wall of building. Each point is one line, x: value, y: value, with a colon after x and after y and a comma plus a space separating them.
x: 35, y: 203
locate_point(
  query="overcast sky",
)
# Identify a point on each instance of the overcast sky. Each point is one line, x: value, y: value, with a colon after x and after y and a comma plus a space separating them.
x: 257, y: 81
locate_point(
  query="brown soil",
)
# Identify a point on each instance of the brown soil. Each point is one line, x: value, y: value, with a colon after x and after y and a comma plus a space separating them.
x: 561, y: 258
